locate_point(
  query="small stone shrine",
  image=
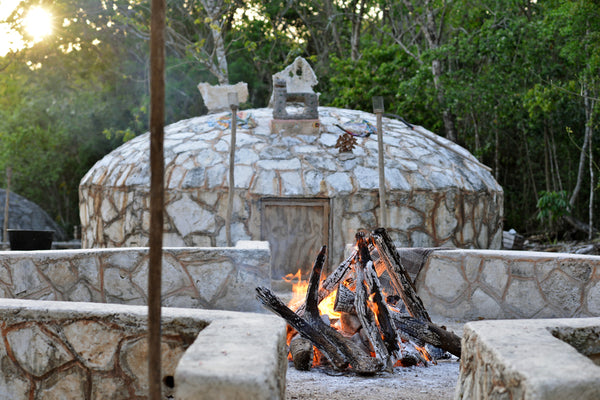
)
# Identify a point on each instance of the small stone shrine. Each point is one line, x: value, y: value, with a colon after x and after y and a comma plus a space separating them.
x: 293, y: 186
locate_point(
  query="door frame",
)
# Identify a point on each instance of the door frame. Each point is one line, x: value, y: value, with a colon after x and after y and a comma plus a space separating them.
x: 324, y: 202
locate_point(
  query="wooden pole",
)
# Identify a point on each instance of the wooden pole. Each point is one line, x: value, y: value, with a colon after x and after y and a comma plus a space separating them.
x: 378, y: 110
x: 6, y: 203
x: 157, y: 121
x: 233, y: 103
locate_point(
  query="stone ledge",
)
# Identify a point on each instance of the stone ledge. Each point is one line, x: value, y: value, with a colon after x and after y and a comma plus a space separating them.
x: 234, y: 356
x: 522, y: 359
x: 221, y: 278
x: 237, y: 359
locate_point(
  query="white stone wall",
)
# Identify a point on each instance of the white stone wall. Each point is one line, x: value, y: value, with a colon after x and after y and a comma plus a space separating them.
x: 211, y: 278
x: 529, y: 359
x: 475, y: 284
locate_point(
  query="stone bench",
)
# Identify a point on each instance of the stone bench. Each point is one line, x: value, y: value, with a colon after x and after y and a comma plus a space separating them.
x: 72, y: 350
x: 545, y: 359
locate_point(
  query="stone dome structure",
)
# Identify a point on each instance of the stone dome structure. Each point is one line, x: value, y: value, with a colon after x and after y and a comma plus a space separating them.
x: 25, y: 214
x: 293, y: 188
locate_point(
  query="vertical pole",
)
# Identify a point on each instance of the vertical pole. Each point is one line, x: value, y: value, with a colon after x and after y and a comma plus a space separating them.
x: 378, y: 110
x: 6, y: 203
x: 233, y: 103
x: 157, y: 121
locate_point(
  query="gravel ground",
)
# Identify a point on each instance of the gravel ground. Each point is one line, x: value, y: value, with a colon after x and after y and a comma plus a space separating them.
x: 405, y: 383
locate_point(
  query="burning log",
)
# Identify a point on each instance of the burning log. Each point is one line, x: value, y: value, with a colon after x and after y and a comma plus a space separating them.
x: 340, y: 351
x: 344, y: 300
x: 398, y: 275
x: 407, y: 327
x: 350, y: 323
x: 381, y: 330
x: 373, y: 331
x: 427, y: 332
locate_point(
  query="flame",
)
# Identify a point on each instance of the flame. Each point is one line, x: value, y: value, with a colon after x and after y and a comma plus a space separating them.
x: 424, y: 353
x: 327, y: 304
x: 298, y: 289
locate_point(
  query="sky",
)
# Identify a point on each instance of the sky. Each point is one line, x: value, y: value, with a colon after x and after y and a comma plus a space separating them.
x: 10, y: 39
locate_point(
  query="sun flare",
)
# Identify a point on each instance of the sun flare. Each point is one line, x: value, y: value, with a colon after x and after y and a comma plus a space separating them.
x: 38, y: 23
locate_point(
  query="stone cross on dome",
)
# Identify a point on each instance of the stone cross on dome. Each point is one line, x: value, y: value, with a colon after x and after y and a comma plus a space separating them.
x: 294, y: 86
x: 298, y: 76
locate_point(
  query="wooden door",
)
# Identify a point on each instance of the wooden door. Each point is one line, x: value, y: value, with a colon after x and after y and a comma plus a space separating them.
x: 296, y: 229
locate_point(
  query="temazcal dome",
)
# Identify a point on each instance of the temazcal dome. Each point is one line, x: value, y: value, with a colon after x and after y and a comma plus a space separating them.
x: 294, y: 187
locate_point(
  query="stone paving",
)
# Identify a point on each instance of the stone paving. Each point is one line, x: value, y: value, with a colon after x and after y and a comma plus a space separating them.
x: 437, y: 193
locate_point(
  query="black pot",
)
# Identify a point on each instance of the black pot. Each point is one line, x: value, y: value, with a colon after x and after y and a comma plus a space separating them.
x: 27, y: 239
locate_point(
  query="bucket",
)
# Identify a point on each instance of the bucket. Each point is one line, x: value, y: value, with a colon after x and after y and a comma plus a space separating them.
x: 28, y: 239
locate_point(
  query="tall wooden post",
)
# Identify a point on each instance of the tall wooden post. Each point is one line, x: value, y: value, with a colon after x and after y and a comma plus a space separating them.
x: 157, y: 122
x: 233, y: 103
x: 6, y: 203
x: 378, y: 110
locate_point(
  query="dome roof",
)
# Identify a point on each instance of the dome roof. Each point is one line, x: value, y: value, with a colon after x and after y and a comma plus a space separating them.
x: 25, y: 214
x: 283, y: 164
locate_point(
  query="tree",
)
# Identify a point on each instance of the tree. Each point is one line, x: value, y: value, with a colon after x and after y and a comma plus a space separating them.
x: 419, y: 28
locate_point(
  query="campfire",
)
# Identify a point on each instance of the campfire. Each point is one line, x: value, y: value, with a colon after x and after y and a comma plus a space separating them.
x: 365, y: 317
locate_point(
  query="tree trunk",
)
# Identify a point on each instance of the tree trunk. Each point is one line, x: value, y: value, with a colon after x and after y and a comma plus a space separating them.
x: 357, y: 17
x: 546, y: 159
x: 555, y: 158
x: 589, y: 116
x: 584, y: 150
x: 529, y: 167
x: 214, y: 10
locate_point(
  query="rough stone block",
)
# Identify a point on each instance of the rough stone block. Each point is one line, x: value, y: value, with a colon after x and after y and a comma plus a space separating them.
x: 215, y: 97
x: 528, y: 359
x: 235, y: 359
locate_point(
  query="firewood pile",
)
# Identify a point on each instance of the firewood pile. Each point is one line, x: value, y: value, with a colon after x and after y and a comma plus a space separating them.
x: 382, y: 321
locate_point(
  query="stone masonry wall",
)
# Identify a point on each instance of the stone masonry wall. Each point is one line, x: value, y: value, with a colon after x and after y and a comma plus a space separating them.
x: 527, y: 360
x: 87, y: 351
x: 418, y: 218
x: 211, y: 278
x: 474, y: 284
x: 437, y: 193
x: 61, y: 351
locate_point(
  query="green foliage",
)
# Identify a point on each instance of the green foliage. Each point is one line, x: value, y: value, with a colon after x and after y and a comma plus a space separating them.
x: 552, y: 205
x: 512, y: 78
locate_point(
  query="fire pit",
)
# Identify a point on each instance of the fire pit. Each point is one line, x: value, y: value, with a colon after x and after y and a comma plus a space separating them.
x: 373, y: 331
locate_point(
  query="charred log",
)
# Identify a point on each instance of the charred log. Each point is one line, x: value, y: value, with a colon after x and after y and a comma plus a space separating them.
x: 302, y: 353
x: 344, y: 300
x: 340, y: 351
x: 422, y: 332
x: 349, y: 322
x: 399, y: 277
